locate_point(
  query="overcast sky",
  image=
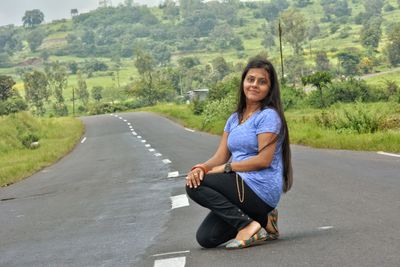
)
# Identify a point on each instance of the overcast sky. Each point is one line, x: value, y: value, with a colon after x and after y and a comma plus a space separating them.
x: 12, y: 11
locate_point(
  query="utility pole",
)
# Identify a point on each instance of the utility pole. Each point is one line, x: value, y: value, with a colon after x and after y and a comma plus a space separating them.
x: 280, y: 48
x: 73, y: 101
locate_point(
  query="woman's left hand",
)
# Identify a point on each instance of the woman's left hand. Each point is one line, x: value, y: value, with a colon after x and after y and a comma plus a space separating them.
x: 194, y: 178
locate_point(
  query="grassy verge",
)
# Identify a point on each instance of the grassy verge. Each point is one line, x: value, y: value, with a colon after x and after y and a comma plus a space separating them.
x: 57, y: 136
x: 303, y: 129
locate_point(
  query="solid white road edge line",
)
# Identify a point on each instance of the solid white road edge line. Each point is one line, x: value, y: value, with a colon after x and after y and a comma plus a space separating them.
x: 173, y: 174
x: 171, y: 253
x: 172, y: 262
x: 166, y: 161
x: 388, y: 154
x: 190, y: 130
x: 83, y: 140
x: 179, y: 201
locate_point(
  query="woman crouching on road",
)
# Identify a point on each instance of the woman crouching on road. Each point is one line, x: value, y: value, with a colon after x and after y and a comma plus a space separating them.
x: 243, y: 193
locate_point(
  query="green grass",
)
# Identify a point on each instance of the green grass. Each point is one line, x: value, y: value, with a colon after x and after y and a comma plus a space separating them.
x: 302, y: 127
x: 379, y: 80
x: 57, y: 136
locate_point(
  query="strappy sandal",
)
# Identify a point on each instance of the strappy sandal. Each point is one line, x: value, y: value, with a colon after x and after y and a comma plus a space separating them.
x: 261, y: 235
x: 273, y: 218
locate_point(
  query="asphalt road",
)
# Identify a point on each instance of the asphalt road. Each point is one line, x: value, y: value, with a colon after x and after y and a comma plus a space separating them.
x: 108, y: 203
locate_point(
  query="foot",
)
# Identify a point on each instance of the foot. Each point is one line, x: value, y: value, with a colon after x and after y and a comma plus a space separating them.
x: 272, y: 225
x: 248, y: 231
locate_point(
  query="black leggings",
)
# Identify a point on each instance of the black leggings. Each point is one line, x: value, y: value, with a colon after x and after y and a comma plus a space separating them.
x: 219, y: 193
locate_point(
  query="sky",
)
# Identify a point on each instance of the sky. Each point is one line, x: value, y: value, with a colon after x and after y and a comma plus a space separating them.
x: 12, y: 11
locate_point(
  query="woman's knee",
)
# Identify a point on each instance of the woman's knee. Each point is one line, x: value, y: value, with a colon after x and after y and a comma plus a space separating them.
x: 205, y: 240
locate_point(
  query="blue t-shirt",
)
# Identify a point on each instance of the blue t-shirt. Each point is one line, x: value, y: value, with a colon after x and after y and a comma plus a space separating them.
x: 243, y: 144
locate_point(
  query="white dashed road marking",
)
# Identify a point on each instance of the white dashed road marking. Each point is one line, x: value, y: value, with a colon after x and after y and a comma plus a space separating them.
x: 158, y: 154
x: 166, y: 161
x: 171, y: 253
x: 173, y: 174
x: 325, y: 227
x: 152, y: 149
x: 388, y: 154
x: 139, y: 137
x: 148, y: 145
x: 172, y: 262
x: 179, y: 201
x: 83, y: 140
x: 129, y: 123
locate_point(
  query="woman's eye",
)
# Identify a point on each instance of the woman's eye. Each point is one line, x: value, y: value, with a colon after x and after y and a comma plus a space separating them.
x: 250, y: 79
x: 263, y: 82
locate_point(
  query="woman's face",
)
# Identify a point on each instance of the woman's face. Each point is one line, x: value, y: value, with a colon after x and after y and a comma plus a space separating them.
x: 256, y: 85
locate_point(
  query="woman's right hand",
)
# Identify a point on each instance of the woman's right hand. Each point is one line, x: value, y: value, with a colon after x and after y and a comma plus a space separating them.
x: 194, y: 177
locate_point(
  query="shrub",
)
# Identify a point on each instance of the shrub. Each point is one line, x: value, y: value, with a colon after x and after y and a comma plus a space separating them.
x: 349, y: 90
x: 219, y: 109
x: 292, y: 97
x: 28, y: 138
x: 12, y: 105
x: 357, y: 118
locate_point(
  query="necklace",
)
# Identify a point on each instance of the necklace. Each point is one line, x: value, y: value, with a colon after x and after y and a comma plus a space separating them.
x: 244, y: 119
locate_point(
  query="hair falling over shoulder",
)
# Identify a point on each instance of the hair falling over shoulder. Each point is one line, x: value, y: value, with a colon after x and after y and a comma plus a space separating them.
x: 272, y: 100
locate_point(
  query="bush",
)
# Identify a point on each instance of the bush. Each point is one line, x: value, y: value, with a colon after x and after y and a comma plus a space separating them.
x: 12, y: 105
x: 292, y: 97
x: 28, y: 138
x: 102, y: 108
x: 60, y: 109
x: 198, y: 106
x: 357, y: 118
x: 219, y: 109
x: 348, y: 91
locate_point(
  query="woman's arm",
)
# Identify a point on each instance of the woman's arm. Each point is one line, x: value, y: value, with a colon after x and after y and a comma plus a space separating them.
x: 261, y: 161
x: 221, y: 156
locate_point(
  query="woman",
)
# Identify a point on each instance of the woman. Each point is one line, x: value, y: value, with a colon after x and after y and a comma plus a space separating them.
x: 243, y: 193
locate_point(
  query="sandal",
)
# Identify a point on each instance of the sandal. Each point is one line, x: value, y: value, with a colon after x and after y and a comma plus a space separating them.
x: 273, y: 218
x: 261, y: 235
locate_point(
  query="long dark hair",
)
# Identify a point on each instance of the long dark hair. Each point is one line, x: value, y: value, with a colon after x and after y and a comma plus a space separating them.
x: 272, y: 100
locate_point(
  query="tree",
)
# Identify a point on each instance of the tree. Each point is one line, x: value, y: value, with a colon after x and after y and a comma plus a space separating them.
x: 188, y: 7
x: 188, y: 62
x: 314, y: 30
x: 10, y: 40
x: 35, y: 39
x: 97, y: 93
x: 57, y: 77
x: 349, y: 60
x: 170, y: 10
x: 294, y: 29
x: 268, y: 40
x: 36, y: 90
x: 6, y: 87
x: 319, y: 80
x: 162, y: 54
x: 371, y: 33
x: 220, y: 68
x: 270, y: 11
x: 392, y: 50
x: 224, y: 37
x: 322, y: 61
x: 373, y: 7
x: 32, y: 18
x: 82, y: 91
